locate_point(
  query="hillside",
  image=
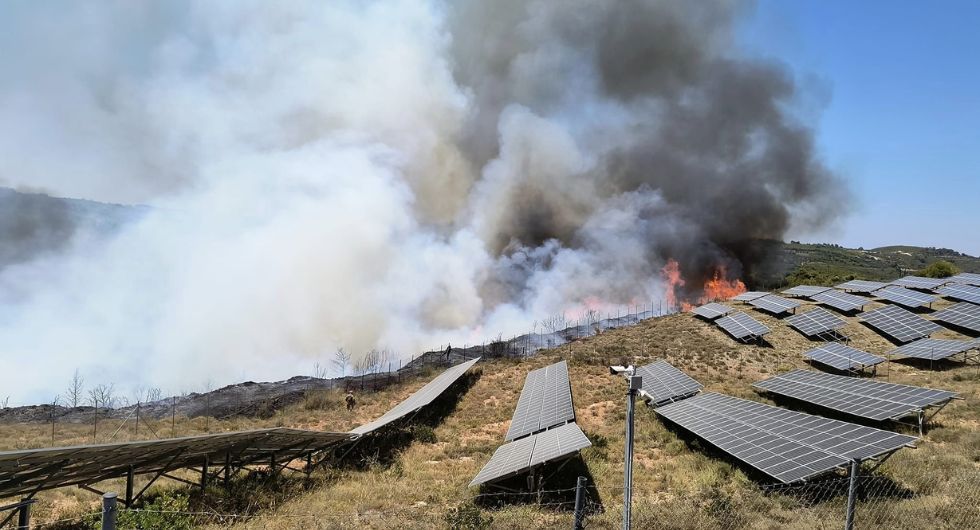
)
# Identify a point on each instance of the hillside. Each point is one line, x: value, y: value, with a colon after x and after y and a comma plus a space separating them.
x: 678, y: 483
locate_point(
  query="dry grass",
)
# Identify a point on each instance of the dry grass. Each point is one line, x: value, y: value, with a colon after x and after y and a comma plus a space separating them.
x: 677, y: 484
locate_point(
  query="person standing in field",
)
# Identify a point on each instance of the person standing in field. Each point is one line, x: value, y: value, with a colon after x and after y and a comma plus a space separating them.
x: 349, y: 399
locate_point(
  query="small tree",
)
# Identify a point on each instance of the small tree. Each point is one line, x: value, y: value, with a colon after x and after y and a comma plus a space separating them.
x: 76, y: 390
x: 341, y: 360
x: 5, y: 402
x: 939, y: 269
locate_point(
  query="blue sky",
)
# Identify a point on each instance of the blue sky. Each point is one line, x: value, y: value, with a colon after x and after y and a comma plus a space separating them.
x: 895, y: 86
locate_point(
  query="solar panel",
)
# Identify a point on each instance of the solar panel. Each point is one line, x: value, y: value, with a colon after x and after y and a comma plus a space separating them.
x: 933, y: 349
x: 786, y: 445
x: 26, y: 471
x: 841, y: 357
x: 860, y: 286
x: 841, y: 301
x: 968, y: 278
x: 546, y: 401
x: 662, y: 383
x: 805, y: 290
x: 712, y: 311
x: 740, y: 325
x: 899, y: 323
x: 920, y: 282
x: 775, y: 304
x: 961, y: 291
x: 963, y: 314
x: 816, y: 321
x: 905, y: 297
x: 749, y: 295
x: 422, y: 397
x: 526, y: 453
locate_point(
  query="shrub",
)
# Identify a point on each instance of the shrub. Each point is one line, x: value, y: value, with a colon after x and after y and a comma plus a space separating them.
x: 424, y: 434
x: 939, y: 269
x: 467, y: 517
x: 166, y: 512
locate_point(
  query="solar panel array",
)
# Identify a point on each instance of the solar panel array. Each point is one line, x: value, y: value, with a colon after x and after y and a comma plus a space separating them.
x: 842, y: 357
x: 903, y: 296
x: 816, y: 322
x: 786, y: 445
x: 775, y: 304
x: 712, y: 311
x: 741, y: 326
x: 750, y: 295
x: 969, y: 278
x: 425, y: 395
x: 961, y: 291
x: 24, y: 472
x: 545, y: 401
x: 898, y: 323
x: 662, y: 383
x: 841, y: 301
x: 860, y: 286
x: 963, y: 314
x: 864, y: 398
x: 520, y: 455
x: 805, y: 290
x: 933, y: 349
x: 919, y: 282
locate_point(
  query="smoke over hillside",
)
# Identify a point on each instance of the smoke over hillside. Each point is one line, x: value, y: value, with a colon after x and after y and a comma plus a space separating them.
x: 365, y: 174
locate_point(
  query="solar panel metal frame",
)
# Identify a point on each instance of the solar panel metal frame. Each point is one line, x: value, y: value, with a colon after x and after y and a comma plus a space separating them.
x: 741, y: 326
x: 805, y: 291
x: 860, y: 286
x: 919, y: 282
x: 775, y: 304
x: 712, y: 310
x: 904, y: 297
x: 526, y: 453
x: 664, y: 383
x: 786, y: 445
x: 860, y: 397
x: 968, y: 278
x: 546, y: 401
x: 26, y: 471
x: 420, y: 398
x: 933, y: 349
x: 960, y: 291
x: 899, y: 323
x: 749, y: 296
x: 816, y: 321
x: 841, y: 301
x: 963, y: 315
x: 842, y: 357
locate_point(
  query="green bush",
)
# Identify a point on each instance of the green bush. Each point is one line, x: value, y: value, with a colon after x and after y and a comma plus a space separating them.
x: 424, y: 434
x: 166, y: 512
x: 467, y: 517
x: 939, y: 269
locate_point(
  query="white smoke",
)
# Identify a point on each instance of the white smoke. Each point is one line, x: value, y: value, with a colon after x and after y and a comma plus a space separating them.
x: 319, y: 176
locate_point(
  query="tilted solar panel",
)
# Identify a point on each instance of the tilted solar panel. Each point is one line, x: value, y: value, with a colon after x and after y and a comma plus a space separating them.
x: 712, y: 311
x: 805, y: 290
x: 933, y: 349
x: 422, y: 397
x: 775, y: 304
x: 903, y: 296
x: 741, y: 326
x: 520, y: 455
x: 841, y: 357
x: 816, y: 321
x: 546, y: 401
x: 920, y: 282
x: 749, y: 295
x: 841, y: 301
x: 856, y: 396
x: 898, y: 323
x: 960, y: 291
x: 786, y: 445
x: 963, y: 314
x: 662, y: 383
x: 860, y: 286
x: 969, y: 278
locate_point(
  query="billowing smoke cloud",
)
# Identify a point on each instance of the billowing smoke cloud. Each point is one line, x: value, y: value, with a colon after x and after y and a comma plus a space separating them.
x: 365, y: 174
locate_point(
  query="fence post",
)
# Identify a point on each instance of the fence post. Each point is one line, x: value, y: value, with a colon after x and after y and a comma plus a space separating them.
x: 579, y: 501
x: 109, y: 511
x: 852, y: 494
x: 24, y: 515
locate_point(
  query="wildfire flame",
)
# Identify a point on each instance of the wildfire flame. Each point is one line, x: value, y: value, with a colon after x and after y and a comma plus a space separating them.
x: 718, y: 287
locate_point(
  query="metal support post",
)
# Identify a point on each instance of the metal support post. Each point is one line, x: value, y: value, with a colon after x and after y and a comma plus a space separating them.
x: 579, y: 518
x: 227, y: 477
x: 635, y: 383
x: 852, y: 494
x: 204, y: 473
x: 129, y: 487
x: 24, y: 515
x: 109, y: 511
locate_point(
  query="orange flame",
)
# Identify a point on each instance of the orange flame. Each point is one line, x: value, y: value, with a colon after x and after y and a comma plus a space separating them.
x: 718, y: 287
x: 672, y: 276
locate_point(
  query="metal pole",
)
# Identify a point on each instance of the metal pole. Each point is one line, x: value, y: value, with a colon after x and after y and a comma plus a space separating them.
x: 579, y: 501
x: 129, y: 487
x: 24, y: 515
x: 852, y: 494
x: 635, y: 383
x: 109, y: 511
